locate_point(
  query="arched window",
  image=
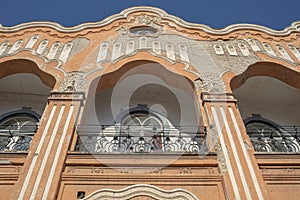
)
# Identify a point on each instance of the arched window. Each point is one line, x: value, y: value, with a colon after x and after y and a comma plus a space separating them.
x: 140, y: 130
x: 267, y: 136
x: 17, y: 130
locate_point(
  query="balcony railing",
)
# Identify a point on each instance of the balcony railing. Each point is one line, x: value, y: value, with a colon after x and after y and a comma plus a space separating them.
x: 272, y: 139
x: 15, y: 140
x: 137, y: 139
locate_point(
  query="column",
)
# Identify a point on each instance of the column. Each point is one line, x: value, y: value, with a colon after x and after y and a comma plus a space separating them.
x: 41, y: 173
x: 242, y: 178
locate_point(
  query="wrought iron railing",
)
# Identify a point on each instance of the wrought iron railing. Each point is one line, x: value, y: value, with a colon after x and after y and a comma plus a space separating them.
x: 15, y: 140
x: 137, y: 139
x: 272, y: 139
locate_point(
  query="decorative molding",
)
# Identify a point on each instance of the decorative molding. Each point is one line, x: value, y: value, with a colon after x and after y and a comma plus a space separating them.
x: 284, y: 54
x: 97, y: 170
x: 212, y: 83
x: 15, y: 47
x: 218, y: 49
x: 42, y: 47
x: 74, y: 82
x: 32, y: 41
x: 268, y: 49
x: 141, y: 190
x: 295, y: 51
x: 231, y: 50
x: 66, y: 52
x: 3, y: 47
x: 71, y: 96
x: 245, y: 51
x: 53, y: 50
x: 254, y: 44
x: 154, y: 20
x: 103, y: 50
x: 185, y: 170
x: 217, y: 97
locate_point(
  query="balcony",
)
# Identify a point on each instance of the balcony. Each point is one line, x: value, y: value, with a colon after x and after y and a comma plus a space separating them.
x: 137, y: 139
x: 15, y: 140
x: 275, y: 139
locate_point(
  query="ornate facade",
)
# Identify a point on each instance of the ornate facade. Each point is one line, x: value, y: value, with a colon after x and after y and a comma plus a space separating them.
x: 143, y: 105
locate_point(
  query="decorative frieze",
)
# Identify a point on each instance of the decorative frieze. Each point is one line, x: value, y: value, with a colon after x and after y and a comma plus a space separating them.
x: 231, y: 50
x: 185, y: 170
x: 53, y: 50
x: 97, y: 170
x: 102, y: 54
x: 32, y: 42
x: 170, y: 51
x: 130, y: 47
x: 16, y: 46
x: 42, y: 47
x: 66, y: 52
x: 268, y: 49
x: 283, y: 53
x: 245, y: 51
x: 143, y: 43
x: 253, y: 43
x: 117, y: 51
x: 138, y: 170
x: 156, y: 48
x: 3, y: 47
x: 183, y: 53
x: 218, y: 49
x: 295, y: 51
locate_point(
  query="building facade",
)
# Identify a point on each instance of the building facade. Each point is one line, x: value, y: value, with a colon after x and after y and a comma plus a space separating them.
x: 144, y: 105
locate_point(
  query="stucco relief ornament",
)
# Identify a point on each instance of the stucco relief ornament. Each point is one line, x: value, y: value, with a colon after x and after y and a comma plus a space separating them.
x: 147, y: 20
x: 213, y: 83
x: 143, y: 25
x: 74, y: 81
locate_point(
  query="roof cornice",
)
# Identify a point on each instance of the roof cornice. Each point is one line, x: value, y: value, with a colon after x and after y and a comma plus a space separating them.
x: 295, y: 26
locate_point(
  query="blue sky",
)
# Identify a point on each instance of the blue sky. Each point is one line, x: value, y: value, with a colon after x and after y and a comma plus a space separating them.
x: 276, y: 14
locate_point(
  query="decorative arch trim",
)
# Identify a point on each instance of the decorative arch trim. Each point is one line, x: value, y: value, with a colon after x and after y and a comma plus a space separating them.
x: 41, y: 69
x: 270, y: 69
x: 143, y: 57
x: 260, y: 119
x: 24, y: 110
x: 142, y: 190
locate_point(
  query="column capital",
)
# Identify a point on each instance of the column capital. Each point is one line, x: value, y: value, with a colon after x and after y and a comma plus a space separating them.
x: 218, y: 97
x: 66, y: 96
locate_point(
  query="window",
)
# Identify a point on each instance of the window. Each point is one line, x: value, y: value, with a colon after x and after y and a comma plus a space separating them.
x: 16, y: 131
x: 138, y: 130
x: 267, y: 136
x: 142, y: 132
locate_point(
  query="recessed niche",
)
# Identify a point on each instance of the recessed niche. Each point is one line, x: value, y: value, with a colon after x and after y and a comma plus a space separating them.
x: 143, y: 30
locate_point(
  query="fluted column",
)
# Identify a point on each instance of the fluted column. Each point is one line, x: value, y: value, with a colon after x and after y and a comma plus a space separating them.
x: 41, y: 173
x: 242, y: 177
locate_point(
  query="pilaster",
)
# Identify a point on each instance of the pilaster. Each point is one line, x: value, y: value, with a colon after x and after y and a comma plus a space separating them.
x: 242, y: 177
x: 40, y: 176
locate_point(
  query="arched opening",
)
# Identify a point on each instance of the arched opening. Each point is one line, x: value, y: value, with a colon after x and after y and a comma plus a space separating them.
x: 269, y: 106
x: 142, y: 108
x: 142, y: 191
x: 24, y: 90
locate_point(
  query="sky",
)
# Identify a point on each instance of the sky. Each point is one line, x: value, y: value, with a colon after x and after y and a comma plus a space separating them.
x: 275, y: 14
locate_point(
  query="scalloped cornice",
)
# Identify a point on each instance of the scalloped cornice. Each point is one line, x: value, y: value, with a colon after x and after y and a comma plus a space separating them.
x: 295, y: 27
